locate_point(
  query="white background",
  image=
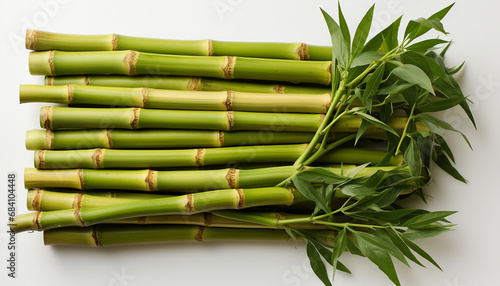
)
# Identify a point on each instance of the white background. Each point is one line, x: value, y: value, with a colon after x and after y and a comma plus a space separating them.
x: 469, y: 255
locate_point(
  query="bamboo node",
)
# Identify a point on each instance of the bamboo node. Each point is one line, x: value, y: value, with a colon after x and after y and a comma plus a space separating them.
x: 49, y: 139
x: 142, y: 220
x: 95, y: 237
x: 232, y: 177
x: 110, y: 140
x: 51, y: 63
x: 87, y: 80
x: 46, y: 117
x: 302, y: 51
x: 229, y: 100
x: 114, y: 42
x: 230, y: 120
x: 98, y: 157
x: 280, y: 216
x: 134, y: 123
x: 279, y: 88
x: 71, y: 97
x: 82, y: 180
x: 194, y: 84
x: 151, y: 180
x: 37, y: 200
x: 77, y: 201
x: 37, y: 218
x: 241, y: 201
x: 200, y: 157
x: 40, y: 154
x: 210, y: 47
x: 31, y: 38
x: 199, y: 234
x: 206, y: 219
x: 189, y: 206
x: 292, y: 193
x: 144, y: 95
x: 221, y: 138
x: 228, y: 67
x: 130, y: 61
x: 50, y: 80
x: 78, y: 216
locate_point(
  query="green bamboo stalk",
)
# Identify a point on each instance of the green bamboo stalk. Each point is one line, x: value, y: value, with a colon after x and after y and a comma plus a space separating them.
x: 175, y: 99
x: 45, y: 200
x: 113, y: 158
x: 185, y: 83
x: 164, y: 139
x: 114, y: 235
x: 184, y: 205
x: 170, y: 181
x: 138, y: 63
x: 41, y: 41
x: 54, y: 118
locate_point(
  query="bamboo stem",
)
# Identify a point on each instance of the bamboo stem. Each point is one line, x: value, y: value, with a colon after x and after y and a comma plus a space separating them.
x: 175, y: 99
x: 139, y: 63
x: 113, y: 235
x: 185, y: 83
x: 40, y: 40
x: 170, y: 181
x: 185, y: 204
x: 112, y: 158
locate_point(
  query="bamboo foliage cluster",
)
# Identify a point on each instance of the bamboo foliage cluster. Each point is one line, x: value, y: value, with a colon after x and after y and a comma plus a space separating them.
x: 242, y: 141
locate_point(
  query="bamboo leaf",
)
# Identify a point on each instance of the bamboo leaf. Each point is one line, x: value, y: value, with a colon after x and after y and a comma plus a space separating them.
x: 425, y: 45
x: 423, y: 220
x: 437, y: 70
x: 377, y: 252
x: 366, y: 58
x: 310, y: 192
x: 357, y: 191
x: 376, y: 122
x: 415, y: 75
x: 414, y: 234
x: 386, y: 40
x: 362, y: 32
x: 288, y: 231
x: 420, y: 252
x: 398, y: 241
x: 414, y: 29
x: 395, y: 88
x: 321, y: 175
x: 440, y: 105
x: 338, y: 45
x: 345, y: 30
x: 372, y: 86
x: 444, y: 146
x: 431, y: 24
x: 438, y: 122
x: 317, y: 264
x: 413, y: 159
x: 417, y: 60
x: 361, y: 130
x: 354, y: 172
x: 339, y: 246
x: 442, y: 161
x: 456, y: 69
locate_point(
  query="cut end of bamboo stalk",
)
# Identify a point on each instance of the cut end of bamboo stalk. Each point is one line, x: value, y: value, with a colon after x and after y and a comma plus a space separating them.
x: 39, y: 139
x: 46, y: 117
x: 72, y: 236
x: 31, y: 38
x: 25, y: 222
x: 41, y: 63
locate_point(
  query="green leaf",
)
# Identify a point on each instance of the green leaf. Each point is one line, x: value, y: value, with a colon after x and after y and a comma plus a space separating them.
x: 398, y: 241
x: 357, y: 191
x: 321, y: 175
x: 413, y: 159
x: 317, y: 264
x: 395, y: 88
x: 423, y: 220
x: 431, y: 24
x: 415, y: 29
x: 417, y: 60
x: 339, y: 246
x: 361, y: 130
x: 366, y: 58
x: 444, y: 146
x: 415, y: 75
x: 440, y: 105
x: 456, y: 69
x: 376, y: 122
x: 354, y: 172
x: 376, y: 250
x: 386, y: 40
x: 438, y: 122
x: 290, y: 233
x: 414, y: 234
x: 372, y: 86
x: 345, y: 30
x: 437, y: 70
x: 425, y: 45
x: 442, y: 161
x: 338, y: 44
x: 310, y: 192
x: 420, y: 252
x: 362, y: 32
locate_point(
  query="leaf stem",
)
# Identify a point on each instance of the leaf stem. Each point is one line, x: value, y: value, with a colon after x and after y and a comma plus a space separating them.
x: 403, y: 135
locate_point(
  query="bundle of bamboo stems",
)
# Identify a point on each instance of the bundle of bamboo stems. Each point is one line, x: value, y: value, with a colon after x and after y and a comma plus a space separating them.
x: 173, y: 141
